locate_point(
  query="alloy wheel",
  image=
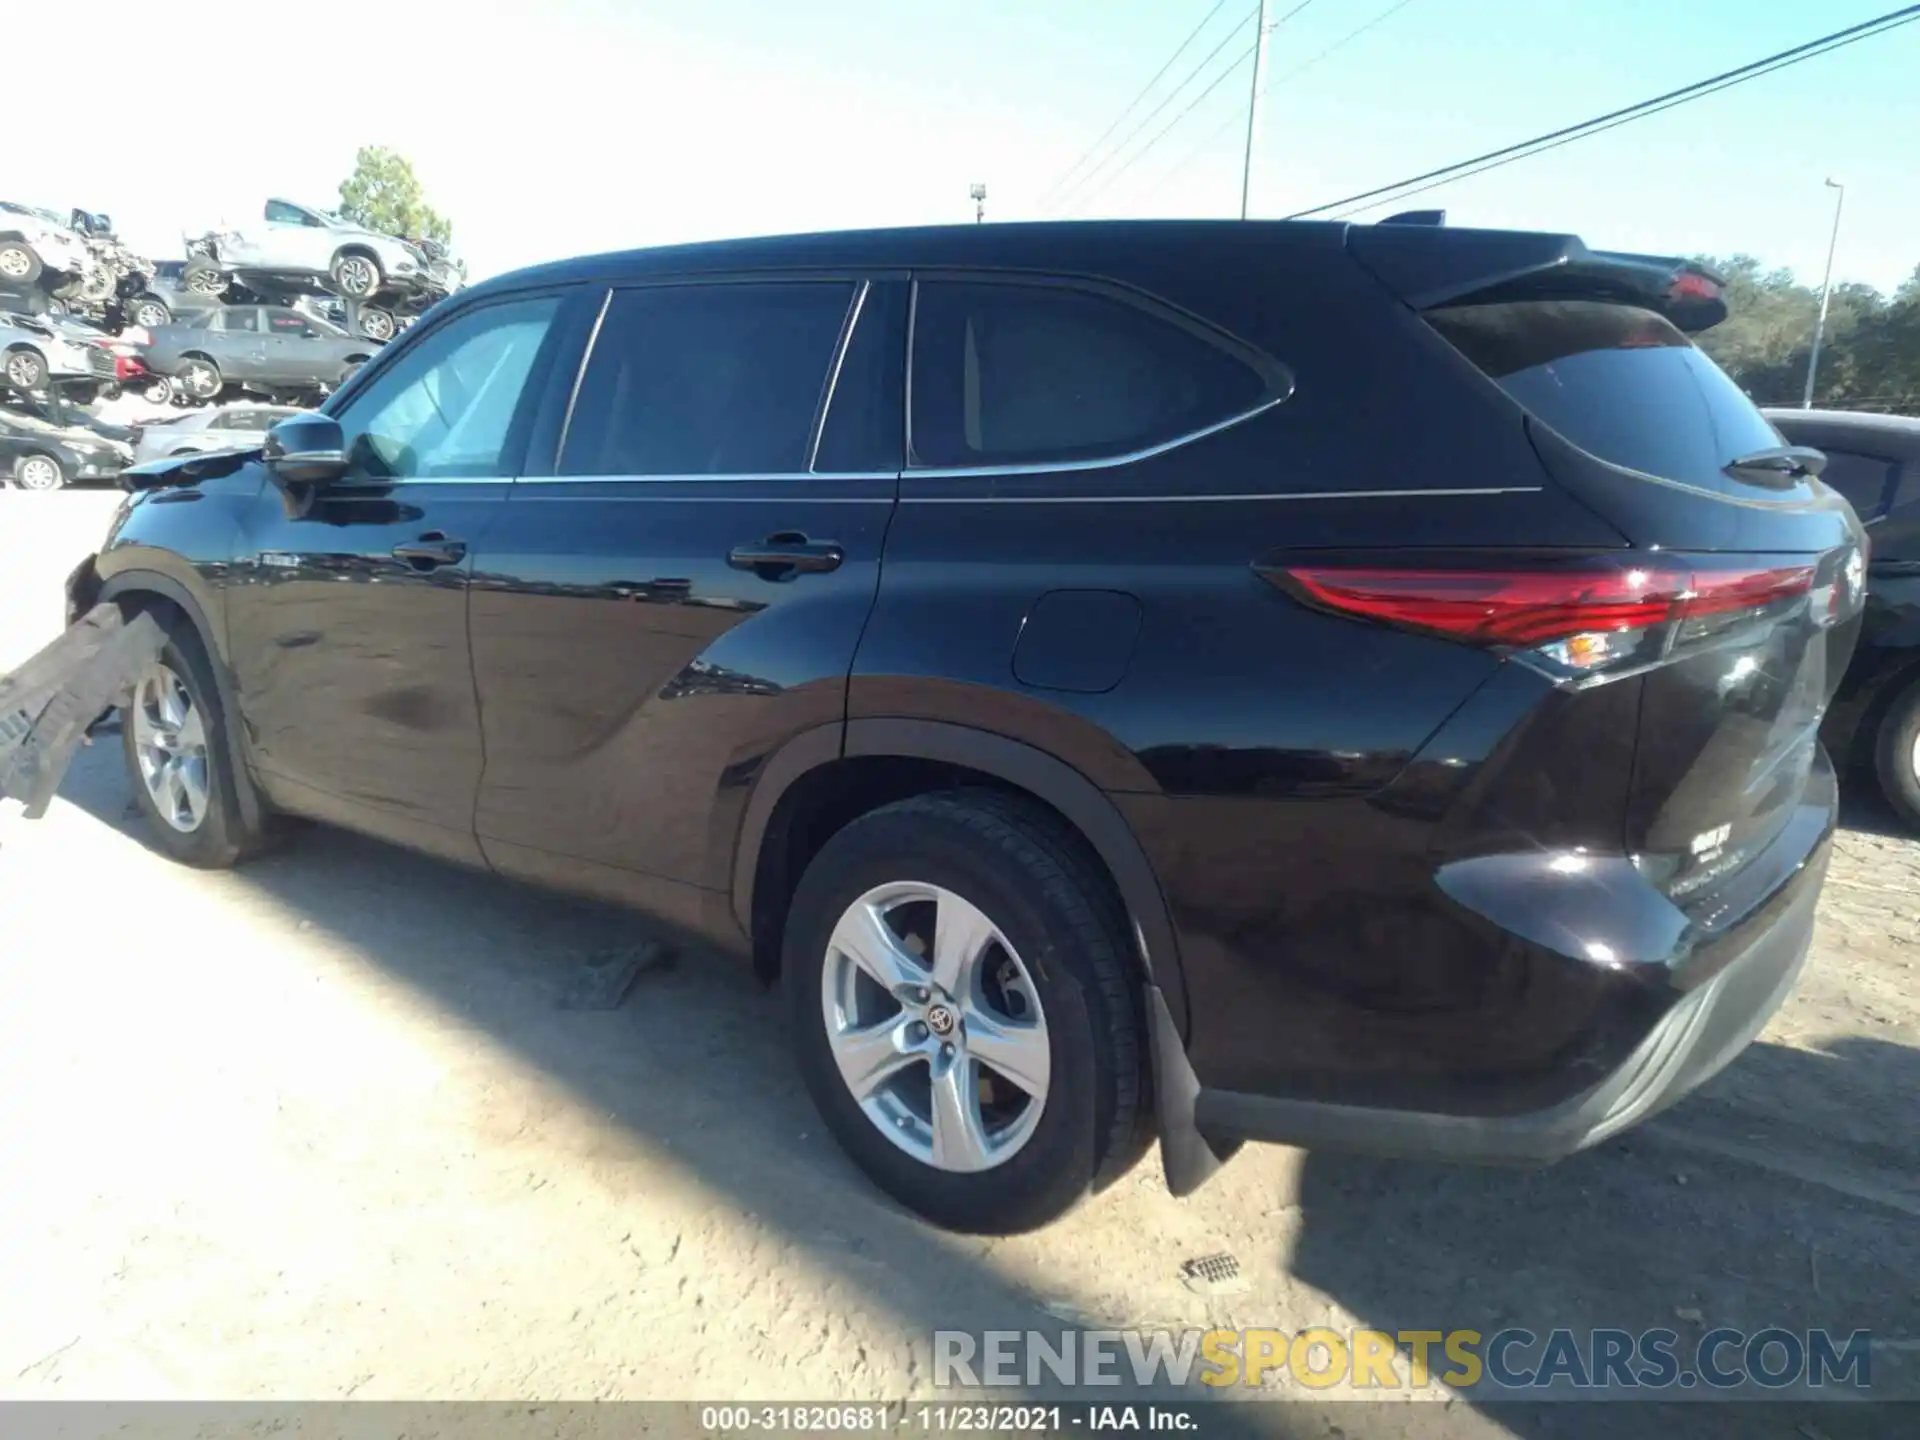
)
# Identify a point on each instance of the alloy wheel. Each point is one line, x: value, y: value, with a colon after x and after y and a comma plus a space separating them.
x: 357, y: 276
x: 36, y: 472
x: 23, y: 371
x: 15, y: 263
x: 170, y: 740
x: 935, y: 1026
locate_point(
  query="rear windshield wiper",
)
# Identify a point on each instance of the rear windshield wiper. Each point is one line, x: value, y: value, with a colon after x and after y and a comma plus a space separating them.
x: 1778, y: 462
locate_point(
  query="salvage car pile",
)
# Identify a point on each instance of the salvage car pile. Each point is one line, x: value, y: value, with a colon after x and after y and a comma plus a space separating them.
x: 278, y: 311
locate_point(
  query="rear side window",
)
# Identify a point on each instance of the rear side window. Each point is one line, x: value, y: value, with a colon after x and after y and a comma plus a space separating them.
x: 1620, y: 382
x: 706, y: 379
x: 240, y: 320
x: 1034, y: 374
x: 1863, y: 479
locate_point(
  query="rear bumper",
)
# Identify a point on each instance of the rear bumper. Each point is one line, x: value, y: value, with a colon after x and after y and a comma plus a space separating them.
x: 1694, y: 1041
x: 1719, y: 989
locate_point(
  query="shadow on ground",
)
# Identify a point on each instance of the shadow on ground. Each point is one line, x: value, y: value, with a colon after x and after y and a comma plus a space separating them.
x: 1624, y: 1236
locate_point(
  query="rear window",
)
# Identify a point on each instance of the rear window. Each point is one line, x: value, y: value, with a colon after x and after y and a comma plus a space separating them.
x: 1620, y: 382
x: 1009, y: 373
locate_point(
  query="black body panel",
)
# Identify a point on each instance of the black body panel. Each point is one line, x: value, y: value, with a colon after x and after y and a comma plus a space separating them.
x: 1369, y: 866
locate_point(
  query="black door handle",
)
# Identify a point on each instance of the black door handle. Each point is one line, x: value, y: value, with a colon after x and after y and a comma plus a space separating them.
x: 782, y: 556
x: 431, y: 551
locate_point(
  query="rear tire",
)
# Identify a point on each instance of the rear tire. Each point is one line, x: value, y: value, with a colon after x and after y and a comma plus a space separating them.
x: 150, y: 313
x: 1052, y: 917
x: 203, y: 277
x: 219, y: 837
x: 1897, y: 755
x: 199, y: 378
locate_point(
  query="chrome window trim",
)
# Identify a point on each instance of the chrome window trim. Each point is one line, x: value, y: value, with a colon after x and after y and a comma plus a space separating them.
x: 579, y: 375
x: 847, y: 329
x: 723, y: 478
x: 1211, y: 499
x: 355, y: 486
x: 640, y: 496
x: 1108, y: 462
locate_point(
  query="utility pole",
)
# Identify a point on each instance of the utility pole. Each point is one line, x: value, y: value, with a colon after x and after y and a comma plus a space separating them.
x: 1253, y: 103
x: 979, y: 194
x: 1826, y: 289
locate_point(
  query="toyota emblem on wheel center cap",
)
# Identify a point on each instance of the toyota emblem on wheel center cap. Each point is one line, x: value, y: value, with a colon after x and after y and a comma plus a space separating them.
x: 941, y: 1021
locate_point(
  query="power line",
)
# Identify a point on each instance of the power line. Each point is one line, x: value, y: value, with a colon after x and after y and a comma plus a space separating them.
x: 1140, y: 154
x: 1568, y: 133
x: 1145, y: 90
x: 1212, y: 85
x: 1165, y: 101
x: 1404, y: 194
x: 1300, y: 69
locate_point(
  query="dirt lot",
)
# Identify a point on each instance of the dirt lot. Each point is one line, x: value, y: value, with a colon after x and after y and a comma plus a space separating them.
x: 334, y: 1126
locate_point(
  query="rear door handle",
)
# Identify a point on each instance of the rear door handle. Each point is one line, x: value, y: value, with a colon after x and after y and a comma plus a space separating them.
x: 778, y: 557
x: 431, y: 551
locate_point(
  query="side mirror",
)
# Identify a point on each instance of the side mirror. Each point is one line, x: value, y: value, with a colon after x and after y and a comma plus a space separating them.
x: 306, y: 449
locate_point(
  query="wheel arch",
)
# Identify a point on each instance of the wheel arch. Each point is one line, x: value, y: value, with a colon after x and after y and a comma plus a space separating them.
x: 135, y: 590
x: 822, y: 779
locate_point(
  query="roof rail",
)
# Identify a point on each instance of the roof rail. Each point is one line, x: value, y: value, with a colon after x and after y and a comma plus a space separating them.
x: 1415, y: 217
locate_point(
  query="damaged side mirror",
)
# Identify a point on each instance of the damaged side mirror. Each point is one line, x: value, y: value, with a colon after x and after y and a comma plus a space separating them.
x: 306, y: 449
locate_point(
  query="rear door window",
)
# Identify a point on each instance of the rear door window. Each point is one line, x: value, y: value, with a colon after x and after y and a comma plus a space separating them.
x: 238, y: 320
x: 721, y: 379
x: 1010, y: 373
x: 1620, y: 382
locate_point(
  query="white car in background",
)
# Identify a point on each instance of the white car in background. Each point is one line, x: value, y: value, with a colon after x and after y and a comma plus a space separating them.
x: 197, y: 432
x: 36, y: 243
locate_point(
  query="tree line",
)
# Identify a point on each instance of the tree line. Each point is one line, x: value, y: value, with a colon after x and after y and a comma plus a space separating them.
x: 1869, y: 360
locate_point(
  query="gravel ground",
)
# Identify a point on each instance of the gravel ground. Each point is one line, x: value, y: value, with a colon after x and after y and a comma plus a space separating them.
x: 335, y: 1125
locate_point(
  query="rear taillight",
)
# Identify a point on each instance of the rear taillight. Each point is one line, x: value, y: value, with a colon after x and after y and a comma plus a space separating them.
x: 1577, y: 620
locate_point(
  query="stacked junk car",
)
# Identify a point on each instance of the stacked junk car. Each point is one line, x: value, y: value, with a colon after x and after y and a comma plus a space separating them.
x: 276, y: 311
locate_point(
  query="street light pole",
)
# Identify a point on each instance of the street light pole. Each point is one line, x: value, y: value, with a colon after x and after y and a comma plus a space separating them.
x: 1253, y: 104
x: 1826, y: 289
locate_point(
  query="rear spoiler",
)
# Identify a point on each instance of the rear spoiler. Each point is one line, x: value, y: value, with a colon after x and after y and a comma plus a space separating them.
x: 1427, y: 266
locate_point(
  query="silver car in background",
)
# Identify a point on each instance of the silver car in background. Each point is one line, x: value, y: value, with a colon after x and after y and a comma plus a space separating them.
x: 36, y: 352
x: 231, y: 427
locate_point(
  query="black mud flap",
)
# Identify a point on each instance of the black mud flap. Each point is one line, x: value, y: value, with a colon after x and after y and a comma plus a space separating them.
x: 48, y: 705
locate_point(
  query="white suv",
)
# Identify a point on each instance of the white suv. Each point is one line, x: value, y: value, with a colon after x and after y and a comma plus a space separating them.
x: 34, y: 243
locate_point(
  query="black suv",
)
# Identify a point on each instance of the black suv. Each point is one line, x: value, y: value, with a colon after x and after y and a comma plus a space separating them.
x: 1304, y: 682
x: 1873, y: 727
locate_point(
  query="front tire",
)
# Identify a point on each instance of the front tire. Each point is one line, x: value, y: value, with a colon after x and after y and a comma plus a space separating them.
x: 1897, y: 755
x: 174, y: 736
x: 356, y: 276
x: 151, y: 314
x: 998, y: 1075
x: 38, y: 472
x: 25, y: 370
x: 377, y: 324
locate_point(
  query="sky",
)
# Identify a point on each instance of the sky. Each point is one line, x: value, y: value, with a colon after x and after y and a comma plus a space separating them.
x: 587, y: 125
